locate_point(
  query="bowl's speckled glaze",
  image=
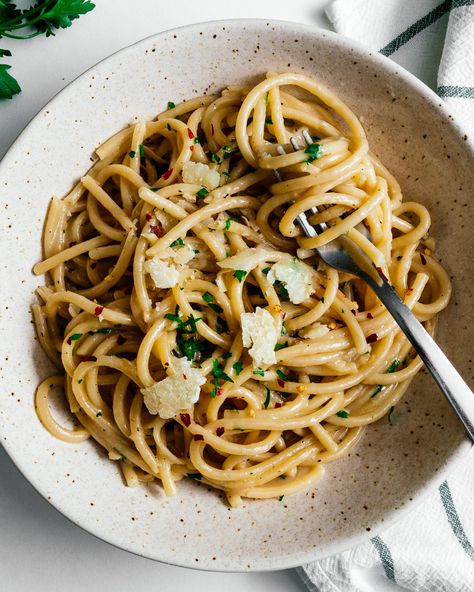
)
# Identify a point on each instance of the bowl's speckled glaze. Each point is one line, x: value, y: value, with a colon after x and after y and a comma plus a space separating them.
x: 392, y: 467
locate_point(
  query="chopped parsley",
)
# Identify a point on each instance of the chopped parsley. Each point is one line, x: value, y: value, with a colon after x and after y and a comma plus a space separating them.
x: 171, y: 105
x: 266, y: 98
x: 282, y: 375
x: 226, y: 355
x: 196, y: 141
x: 132, y: 153
x: 98, y: 414
x: 237, y: 367
x: 313, y: 151
x: 269, y: 121
x: 343, y: 413
x: 280, y: 346
x: 259, y: 372
x: 267, y: 398
x: 141, y: 148
x: 322, y: 299
x: 281, y: 289
x: 227, y: 224
x: 76, y: 336
x: 179, y: 242
x: 208, y: 298
x: 213, y: 157
x: 196, y: 476
x: 202, y: 192
x: 240, y: 274
x: 266, y: 270
x: 393, y: 366
x: 280, y: 499
x: 218, y: 373
x: 377, y: 391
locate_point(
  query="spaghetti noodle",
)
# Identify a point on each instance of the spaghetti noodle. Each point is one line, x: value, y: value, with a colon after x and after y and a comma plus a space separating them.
x: 195, y: 330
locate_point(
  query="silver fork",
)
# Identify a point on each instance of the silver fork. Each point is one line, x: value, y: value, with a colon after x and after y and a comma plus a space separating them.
x: 342, y: 254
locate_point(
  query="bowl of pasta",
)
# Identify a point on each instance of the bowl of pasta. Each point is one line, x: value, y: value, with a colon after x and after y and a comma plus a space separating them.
x: 189, y: 381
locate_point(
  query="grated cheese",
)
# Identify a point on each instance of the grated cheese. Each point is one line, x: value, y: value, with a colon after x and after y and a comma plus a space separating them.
x: 198, y: 173
x: 174, y: 393
x: 260, y: 332
x: 163, y: 274
x: 297, y: 277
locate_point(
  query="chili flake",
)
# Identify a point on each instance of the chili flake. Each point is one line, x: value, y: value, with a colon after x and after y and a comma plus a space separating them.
x: 371, y: 338
x: 186, y: 419
x: 98, y: 310
x: 167, y: 174
x: 219, y: 431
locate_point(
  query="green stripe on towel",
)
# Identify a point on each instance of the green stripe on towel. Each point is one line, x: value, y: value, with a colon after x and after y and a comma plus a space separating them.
x: 416, y: 28
x: 385, y: 557
x: 454, y: 520
x: 461, y: 92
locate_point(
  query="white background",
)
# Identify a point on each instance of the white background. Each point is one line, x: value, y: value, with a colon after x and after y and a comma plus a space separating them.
x: 39, y: 548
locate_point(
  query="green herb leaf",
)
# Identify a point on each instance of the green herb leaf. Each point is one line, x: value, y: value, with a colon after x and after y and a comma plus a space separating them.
x: 58, y: 15
x: 237, y: 367
x: 202, y: 192
x: 76, y: 336
x: 196, y: 141
x: 282, y: 375
x: 269, y: 121
x: 8, y: 85
x: 141, y: 149
x: 98, y: 414
x: 207, y: 297
x: 393, y: 366
x: 226, y: 355
x: 322, y: 299
x: 215, y: 158
x: 265, y: 270
x: 314, y: 151
x: 280, y: 499
x: 280, y: 346
x: 227, y: 224
x: 171, y: 105
x: 80, y: 380
x: 215, y: 307
x: 239, y: 274
x: 259, y: 372
x: 281, y: 289
x: 377, y: 391
x: 266, y: 403
x: 179, y: 242
x: 196, y: 476
x: 343, y: 413
x: 132, y: 153
x: 217, y: 371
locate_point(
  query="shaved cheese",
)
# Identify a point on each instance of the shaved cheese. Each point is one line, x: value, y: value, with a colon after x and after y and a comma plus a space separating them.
x: 175, y: 393
x: 182, y: 255
x: 162, y: 273
x: 247, y: 259
x: 314, y: 331
x: 297, y: 277
x: 260, y: 332
x: 198, y: 173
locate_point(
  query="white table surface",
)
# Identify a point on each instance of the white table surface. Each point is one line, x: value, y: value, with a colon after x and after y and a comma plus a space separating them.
x: 39, y: 548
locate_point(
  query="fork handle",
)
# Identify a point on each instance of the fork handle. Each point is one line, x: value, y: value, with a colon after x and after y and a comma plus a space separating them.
x: 445, y: 374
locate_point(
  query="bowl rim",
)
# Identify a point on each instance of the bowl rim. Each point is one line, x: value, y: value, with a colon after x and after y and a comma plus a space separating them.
x: 436, y: 103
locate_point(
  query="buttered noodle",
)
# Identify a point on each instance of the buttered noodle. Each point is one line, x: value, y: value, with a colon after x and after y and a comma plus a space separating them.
x: 257, y: 431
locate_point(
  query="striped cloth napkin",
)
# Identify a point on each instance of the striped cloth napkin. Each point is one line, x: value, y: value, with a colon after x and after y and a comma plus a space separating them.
x: 429, y: 550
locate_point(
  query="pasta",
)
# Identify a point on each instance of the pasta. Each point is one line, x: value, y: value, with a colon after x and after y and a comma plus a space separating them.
x: 195, y: 330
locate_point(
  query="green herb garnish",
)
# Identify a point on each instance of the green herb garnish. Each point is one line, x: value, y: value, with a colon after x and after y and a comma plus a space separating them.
x: 391, y: 416
x: 237, y: 367
x: 314, y: 151
x: 196, y: 141
x: 280, y: 346
x: 393, y: 366
x: 239, y: 274
x: 202, y: 192
x: 132, y: 153
x: 265, y: 270
x: 282, y: 375
x: 280, y: 499
x: 259, y: 372
x: 179, y: 242
x: 41, y: 18
x: 377, y: 391
x: 213, y: 157
x: 266, y: 403
x: 98, y: 414
x: 171, y: 105
x: 196, y: 476
x: 141, y: 149
x: 269, y: 121
x: 343, y: 413
x: 76, y: 336
x: 208, y: 298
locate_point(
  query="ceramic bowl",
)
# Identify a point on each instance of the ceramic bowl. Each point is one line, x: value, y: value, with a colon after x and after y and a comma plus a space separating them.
x: 393, y: 467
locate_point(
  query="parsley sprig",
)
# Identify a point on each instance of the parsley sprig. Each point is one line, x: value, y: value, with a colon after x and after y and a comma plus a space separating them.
x: 42, y: 18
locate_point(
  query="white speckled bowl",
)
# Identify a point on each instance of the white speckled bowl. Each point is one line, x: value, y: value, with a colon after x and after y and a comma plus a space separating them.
x: 393, y: 467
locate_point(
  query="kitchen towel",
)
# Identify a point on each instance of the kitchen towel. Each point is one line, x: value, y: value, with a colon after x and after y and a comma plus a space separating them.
x: 431, y: 549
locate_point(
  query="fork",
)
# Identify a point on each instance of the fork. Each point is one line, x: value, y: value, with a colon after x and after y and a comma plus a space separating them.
x: 341, y: 254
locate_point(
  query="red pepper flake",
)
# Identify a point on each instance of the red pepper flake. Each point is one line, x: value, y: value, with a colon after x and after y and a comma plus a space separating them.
x: 219, y: 431
x: 68, y: 341
x: 157, y: 229
x: 370, y: 315
x: 218, y: 391
x: 148, y: 217
x: 98, y: 310
x: 167, y: 175
x: 121, y: 340
x: 186, y: 419
x: 198, y: 437
x: 128, y: 290
x: 89, y: 359
x: 212, y: 129
x: 423, y: 259
x: 71, y: 244
x: 381, y: 273
x: 281, y: 382
x: 190, y: 134
x: 191, y: 147
x: 277, y: 405
x: 371, y: 338
x: 185, y: 377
